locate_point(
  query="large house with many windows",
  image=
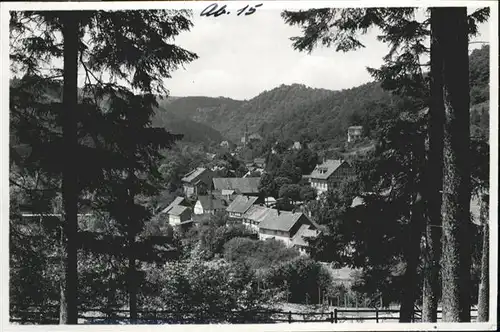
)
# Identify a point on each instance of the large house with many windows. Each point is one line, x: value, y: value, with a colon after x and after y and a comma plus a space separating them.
x: 329, y: 175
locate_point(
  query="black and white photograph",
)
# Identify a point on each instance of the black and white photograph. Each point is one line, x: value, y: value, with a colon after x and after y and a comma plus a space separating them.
x: 277, y: 164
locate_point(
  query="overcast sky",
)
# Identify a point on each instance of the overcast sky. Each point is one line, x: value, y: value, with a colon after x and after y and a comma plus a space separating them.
x: 240, y: 57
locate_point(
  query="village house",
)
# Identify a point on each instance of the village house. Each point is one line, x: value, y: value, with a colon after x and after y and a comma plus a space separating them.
x: 179, y: 214
x: 305, y: 232
x: 329, y: 174
x: 260, y: 162
x: 248, y: 186
x: 254, y: 216
x: 209, y: 205
x: 239, y: 206
x: 177, y: 201
x: 285, y: 226
x: 296, y: 146
x: 198, y: 181
x: 354, y: 133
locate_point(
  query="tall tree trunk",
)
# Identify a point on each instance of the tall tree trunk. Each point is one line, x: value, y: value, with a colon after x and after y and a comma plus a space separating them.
x: 132, y: 282
x: 412, y: 256
x: 434, y: 176
x: 131, y: 234
x: 69, y: 183
x: 484, y: 285
x: 456, y: 251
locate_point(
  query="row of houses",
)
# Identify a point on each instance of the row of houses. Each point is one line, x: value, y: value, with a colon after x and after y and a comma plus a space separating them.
x: 201, y: 180
x: 290, y: 227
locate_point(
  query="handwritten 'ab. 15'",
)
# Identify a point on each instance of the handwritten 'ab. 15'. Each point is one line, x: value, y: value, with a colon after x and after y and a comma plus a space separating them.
x: 215, y: 11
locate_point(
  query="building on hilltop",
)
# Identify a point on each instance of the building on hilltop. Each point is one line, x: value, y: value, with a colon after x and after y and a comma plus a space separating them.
x: 354, y: 133
x: 197, y: 182
x: 329, y: 174
x: 297, y: 145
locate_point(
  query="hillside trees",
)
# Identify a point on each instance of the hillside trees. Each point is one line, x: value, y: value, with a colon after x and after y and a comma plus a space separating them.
x: 402, y: 73
x: 97, y: 42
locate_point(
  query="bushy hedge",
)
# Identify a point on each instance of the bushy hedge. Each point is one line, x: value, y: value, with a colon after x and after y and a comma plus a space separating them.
x: 206, y: 291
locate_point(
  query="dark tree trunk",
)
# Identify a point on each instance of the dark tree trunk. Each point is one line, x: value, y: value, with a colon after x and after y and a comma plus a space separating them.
x: 412, y: 257
x: 432, y: 248
x: 456, y: 251
x: 69, y: 183
x: 132, y: 283
x: 484, y: 285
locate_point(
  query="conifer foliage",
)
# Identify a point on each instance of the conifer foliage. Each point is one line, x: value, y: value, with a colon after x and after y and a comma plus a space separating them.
x: 96, y: 137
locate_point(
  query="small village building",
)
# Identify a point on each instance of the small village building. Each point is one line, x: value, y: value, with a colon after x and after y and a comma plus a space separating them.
x: 270, y: 201
x: 239, y: 206
x: 197, y: 181
x: 282, y: 225
x: 179, y: 214
x: 177, y: 201
x: 254, y: 216
x: 300, y: 238
x: 329, y: 174
x: 354, y: 133
x: 297, y: 145
x: 260, y: 162
x: 209, y: 205
x: 224, y: 144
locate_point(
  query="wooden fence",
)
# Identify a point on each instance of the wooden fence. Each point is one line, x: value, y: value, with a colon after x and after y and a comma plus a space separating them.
x: 50, y: 314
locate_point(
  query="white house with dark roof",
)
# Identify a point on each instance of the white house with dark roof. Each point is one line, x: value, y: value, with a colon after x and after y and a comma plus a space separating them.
x: 209, y: 204
x: 179, y: 214
x: 254, y: 216
x: 284, y: 226
x: 329, y: 174
x: 197, y: 181
x: 240, y: 205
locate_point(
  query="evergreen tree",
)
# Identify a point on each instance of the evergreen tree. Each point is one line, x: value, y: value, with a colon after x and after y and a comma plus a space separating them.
x: 455, y: 209
x: 132, y: 46
x: 401, y: 73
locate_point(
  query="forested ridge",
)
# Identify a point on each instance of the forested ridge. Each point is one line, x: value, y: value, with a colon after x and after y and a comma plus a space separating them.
x: 292, y: 111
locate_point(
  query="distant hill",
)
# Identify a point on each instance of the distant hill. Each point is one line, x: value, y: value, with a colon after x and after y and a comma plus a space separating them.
x: 292, y: 111
x: 192, y: 131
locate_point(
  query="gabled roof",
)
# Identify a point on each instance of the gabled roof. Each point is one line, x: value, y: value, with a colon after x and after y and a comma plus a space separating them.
x: 241, y: 204
x: 304, y: 232
x: 255, y: 136
x: 282, y: 221
x: 259, y: 160
x: 227, y: 192
x: 242, y: 185
x: 177, y: 201
x: 355, y: 127
x: 193, y: 175
x: 258, y: 213
x: 326, y: 169
x: 178, y: 210
x: 211, y: 203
